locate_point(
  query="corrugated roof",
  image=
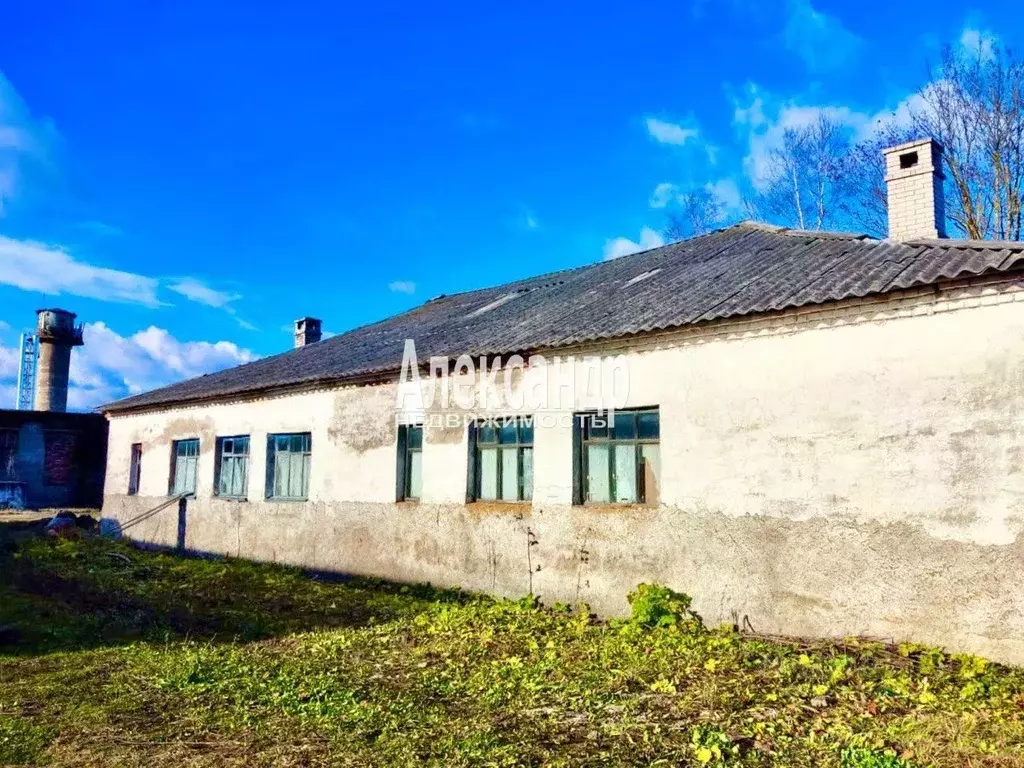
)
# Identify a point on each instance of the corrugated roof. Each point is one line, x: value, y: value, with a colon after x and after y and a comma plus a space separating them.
x: 745, y: 269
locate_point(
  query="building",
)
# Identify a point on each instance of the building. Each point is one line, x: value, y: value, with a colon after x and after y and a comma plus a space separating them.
x: 49, y: 458
x: 822, y: 435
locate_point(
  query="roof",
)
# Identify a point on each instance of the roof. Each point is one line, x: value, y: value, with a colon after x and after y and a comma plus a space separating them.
x: 745, y: 269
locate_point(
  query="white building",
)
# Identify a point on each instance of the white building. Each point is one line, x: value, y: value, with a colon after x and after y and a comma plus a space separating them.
x: 823, y: 434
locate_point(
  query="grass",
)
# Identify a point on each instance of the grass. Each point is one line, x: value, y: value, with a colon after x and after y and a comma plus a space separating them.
x: 167, y: 661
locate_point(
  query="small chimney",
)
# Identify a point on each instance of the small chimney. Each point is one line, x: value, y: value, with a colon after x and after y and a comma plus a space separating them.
x: 913, y: 178
x: 307, y: 331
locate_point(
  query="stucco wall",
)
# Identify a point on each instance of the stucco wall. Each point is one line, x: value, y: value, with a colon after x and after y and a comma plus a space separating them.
x: 856, y: 469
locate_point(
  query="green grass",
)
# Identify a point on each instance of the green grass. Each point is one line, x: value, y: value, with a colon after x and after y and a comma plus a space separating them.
x: 166, y: 661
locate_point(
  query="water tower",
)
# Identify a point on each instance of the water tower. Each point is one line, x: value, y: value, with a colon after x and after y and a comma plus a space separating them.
x: 57, y: 334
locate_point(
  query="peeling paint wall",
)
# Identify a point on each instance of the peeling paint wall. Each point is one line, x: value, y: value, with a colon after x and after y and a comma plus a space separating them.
x: 855, y: 469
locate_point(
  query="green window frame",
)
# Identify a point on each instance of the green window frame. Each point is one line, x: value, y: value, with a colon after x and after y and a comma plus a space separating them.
x: 231, y: 479
x: 184, y: 466
x: 289, y: 458
x: 502, y: 459
x: 619, y: 456
x: 410, y: 462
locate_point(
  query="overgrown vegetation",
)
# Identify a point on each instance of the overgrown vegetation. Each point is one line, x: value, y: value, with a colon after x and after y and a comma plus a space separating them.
x: 157, y: 660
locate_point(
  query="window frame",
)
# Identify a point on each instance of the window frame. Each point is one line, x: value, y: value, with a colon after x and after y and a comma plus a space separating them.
x: 404, y: 454
x: 523, y: 424
x: 172, y: 484
x: 135, y: 469
x: 583, y: 439
x: 272, y: 453
x: 218, y: 468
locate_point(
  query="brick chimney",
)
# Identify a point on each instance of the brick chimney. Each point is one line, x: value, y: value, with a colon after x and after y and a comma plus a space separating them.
x: 307, y: 331
x: 913, y: 178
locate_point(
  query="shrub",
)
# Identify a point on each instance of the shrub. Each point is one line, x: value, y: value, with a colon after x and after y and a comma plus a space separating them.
x: 656, y: 606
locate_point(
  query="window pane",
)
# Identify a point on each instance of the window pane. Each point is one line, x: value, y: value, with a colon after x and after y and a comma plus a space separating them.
x: 526, y: 431
x: 240, y: 477
x: 297, y: 479
x: 527, y: 473
x: 415, y: 438
x: 415, y: 474
x: 179, y: 475
x: 597, y: 473
x: 489, y: 474
x: 625, y: 426
x: 488, y: 433
x: 651, y: 471
x: 596, y: 426
x: 280, y: 474
x: 508, y: 433
x: 647, y: 425
x: 625, y: 473
x: 510, y: 474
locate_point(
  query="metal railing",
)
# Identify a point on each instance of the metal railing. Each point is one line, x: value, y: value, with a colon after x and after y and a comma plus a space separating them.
x: 152, y: 512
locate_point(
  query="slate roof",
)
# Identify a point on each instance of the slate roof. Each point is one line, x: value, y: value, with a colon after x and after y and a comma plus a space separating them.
x: 745, y: 269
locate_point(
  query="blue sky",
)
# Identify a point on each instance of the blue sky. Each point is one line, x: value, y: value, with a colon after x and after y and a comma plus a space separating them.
x: 190, y: 177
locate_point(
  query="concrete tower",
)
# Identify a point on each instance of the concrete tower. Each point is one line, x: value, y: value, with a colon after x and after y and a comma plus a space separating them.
x: 57, y: 334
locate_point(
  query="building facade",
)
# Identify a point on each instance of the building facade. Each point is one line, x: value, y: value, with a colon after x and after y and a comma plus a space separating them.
x: 821, y: 436
x: 853, y: 469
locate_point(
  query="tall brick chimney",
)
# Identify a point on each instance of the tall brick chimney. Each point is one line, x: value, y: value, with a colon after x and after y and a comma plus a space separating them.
x: 307, y: 331
x: 913, y: 178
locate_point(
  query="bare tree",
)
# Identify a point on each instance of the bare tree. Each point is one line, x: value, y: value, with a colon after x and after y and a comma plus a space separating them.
x: 804, y: 182
x: 974, y: 106
x: 694, y: 212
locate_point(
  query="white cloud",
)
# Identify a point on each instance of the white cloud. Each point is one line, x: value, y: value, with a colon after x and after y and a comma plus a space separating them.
x: 980, y: 43
x: 101, y: 228
x: 50, y: 269
x: 728, y: 194
x: 762, y: 121
x: 200, y: 292
x: 402, y: 286
x: 8, y: 365
x: 110, y: 366
x: 24, y: 141
x: 671, y: 133
x: 818, y: 38
x: 663, y: 195
x: 4, y: 326
x: 623, y: 246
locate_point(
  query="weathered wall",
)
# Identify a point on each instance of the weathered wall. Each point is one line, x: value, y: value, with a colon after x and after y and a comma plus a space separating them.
x: 79, y: 483
x: 852, y: 470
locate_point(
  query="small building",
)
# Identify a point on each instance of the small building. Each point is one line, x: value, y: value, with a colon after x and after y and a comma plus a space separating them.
x: 52, y: 460
x: 811, y: 433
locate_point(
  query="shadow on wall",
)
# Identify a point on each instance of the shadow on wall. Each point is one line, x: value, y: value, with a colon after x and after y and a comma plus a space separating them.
x: 87, y: 591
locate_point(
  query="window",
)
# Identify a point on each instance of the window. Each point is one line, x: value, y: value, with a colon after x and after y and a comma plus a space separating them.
x: 618, y: 457
x: 135, y: 469
x: 184, y: 466
x: 58, y: 457
x: 410, y: 462
x: 288, y: 460
x: 502, y: 459
x: 8, y: 454
x: 232, y: 465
